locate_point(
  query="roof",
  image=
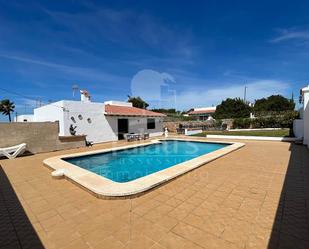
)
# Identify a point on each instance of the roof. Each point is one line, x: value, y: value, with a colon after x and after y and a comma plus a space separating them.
x: 205, y: 111
x: 115, y: 110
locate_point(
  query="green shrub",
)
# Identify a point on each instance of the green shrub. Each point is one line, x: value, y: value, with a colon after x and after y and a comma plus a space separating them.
x: 218, y: 123
x: 241, y: 123
x: 233, y: 108
x: 275, y: 120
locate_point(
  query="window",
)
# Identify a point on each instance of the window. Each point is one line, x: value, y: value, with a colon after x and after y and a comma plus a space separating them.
x: 151, y: 124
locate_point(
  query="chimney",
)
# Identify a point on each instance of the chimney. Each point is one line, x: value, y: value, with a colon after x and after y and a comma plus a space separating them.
x: 84, y: 96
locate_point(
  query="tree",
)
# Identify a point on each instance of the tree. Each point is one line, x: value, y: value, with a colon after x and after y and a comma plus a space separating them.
x: 232, y: 108
x: 6, y: 107
x: 274, y: 103
x: 167, y: 111
x: 138, y: 102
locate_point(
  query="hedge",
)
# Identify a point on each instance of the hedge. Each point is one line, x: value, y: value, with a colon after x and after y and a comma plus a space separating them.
x: 282, y: 120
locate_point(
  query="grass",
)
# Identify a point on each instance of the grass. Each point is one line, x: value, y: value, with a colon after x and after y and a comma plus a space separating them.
x: 260, y: 133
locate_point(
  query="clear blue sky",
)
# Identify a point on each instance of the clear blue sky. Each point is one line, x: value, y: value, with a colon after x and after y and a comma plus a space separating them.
x: 210, y: 49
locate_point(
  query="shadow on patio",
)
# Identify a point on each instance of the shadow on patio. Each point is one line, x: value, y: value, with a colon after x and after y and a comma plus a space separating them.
x: 16, y: 230
x: 291, y: 224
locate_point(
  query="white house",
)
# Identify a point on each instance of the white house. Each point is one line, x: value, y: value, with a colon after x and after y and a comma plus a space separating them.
x: 202, y: 113
x: 24, y: 118
x: 301, y: 126
x: 100, y: 122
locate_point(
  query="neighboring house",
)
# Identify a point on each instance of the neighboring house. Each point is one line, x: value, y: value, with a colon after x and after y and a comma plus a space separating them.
x: 301, y: 126
x: 203, y: 113
x: 100, y: 122
x: 24, y: 118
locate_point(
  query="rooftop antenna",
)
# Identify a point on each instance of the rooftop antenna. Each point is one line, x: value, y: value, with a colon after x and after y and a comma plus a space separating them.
x: 74, y: 89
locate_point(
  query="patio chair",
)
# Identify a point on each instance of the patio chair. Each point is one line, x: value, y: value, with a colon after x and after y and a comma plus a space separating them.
x: 129, y: 137
x: 145, y: 136
x: 14, y: 151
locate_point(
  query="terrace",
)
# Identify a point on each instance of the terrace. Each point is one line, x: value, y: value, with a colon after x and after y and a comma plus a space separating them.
x: 255, y: 197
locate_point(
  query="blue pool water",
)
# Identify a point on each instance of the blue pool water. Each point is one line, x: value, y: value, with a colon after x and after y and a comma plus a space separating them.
x: 127, y: 165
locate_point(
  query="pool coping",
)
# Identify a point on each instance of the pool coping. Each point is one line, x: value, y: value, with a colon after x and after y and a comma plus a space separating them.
x: 105, y: 188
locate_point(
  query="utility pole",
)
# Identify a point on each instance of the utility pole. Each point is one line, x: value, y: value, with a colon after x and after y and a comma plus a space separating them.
x: 245, y: 94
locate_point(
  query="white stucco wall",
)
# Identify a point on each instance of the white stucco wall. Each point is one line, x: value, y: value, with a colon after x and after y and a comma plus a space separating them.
x: 139, y: 125
x: 189, y: 132
x: 298, y: 128
x: 98, y: 128
x: 89, y: 119
x: 119, y: 103
x: 24, y: 118
x: 213, y: 108
x: 51, y: 112
x: 92, y: 123
x: 306, y: 115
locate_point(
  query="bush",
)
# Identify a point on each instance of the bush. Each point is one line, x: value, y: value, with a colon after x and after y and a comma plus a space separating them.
x: 274, y: 103
x: 232, y: 108
x: 242, y: 123
x: 218, y: 123
x: 280, y: 120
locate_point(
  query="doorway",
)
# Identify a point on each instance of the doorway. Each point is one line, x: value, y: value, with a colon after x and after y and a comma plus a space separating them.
x: 123, y: 127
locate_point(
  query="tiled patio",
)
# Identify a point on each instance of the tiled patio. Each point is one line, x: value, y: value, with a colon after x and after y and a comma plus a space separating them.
x: 256, y: 197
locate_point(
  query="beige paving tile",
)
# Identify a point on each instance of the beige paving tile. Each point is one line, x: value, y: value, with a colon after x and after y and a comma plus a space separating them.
x: 200, y: 237
x: 237, y: 232
x: 167, y: 222
x: 47, y: 224
x: 172, y: 241
x: 109, y: 243
x: 157, y: 246
x: 173, y: 202
x: 77, y: 244
x: 155, y: 214
x: 259, y: 201
x: 140, y: 242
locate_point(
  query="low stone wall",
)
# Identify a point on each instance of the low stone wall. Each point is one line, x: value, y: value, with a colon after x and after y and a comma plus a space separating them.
x: 205, y: 125
x: 39, y: 136
x: 171, y: 126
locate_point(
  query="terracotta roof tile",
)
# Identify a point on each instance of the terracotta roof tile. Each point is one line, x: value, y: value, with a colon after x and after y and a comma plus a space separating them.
x: 116, y: 110
x: 202, y: 112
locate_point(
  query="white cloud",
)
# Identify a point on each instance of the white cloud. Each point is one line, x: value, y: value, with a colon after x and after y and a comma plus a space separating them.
x: 198, y: 92
x: 291, y: 34
x: 213, y: 96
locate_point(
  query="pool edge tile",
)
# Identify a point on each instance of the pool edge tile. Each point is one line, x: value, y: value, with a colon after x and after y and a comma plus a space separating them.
x: 105, y: 188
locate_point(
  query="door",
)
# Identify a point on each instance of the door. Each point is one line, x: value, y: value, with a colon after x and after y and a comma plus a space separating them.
x: 123, y: 127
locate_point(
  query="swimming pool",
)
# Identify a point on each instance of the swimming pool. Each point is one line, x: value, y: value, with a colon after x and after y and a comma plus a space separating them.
x: 131, y: 169
x: 130, y: 164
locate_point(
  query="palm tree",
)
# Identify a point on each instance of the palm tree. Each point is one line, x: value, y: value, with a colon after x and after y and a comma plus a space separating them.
x: 6, y: 107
